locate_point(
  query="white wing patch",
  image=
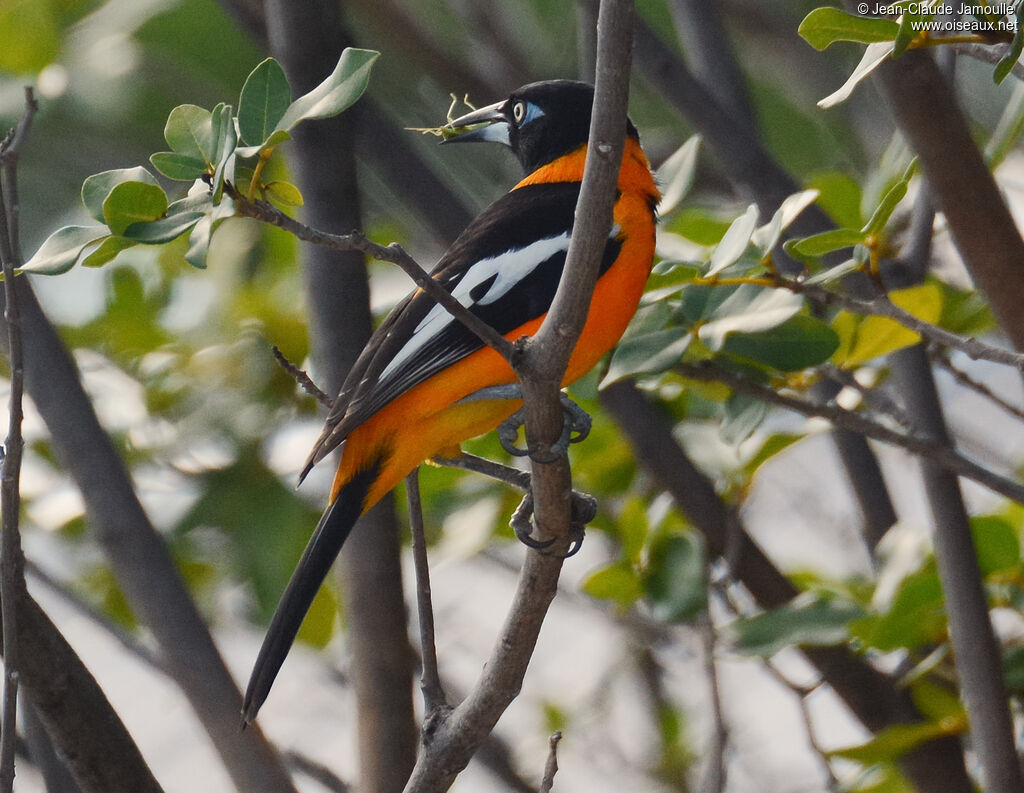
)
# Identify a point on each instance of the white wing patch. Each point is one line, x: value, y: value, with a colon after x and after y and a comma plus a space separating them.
x: 507, y: 269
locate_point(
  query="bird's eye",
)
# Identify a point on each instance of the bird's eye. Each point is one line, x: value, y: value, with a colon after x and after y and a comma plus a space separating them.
x: 519, y: 112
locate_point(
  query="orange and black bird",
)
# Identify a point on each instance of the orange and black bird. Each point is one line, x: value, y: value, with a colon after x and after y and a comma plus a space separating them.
x: 410, y: 395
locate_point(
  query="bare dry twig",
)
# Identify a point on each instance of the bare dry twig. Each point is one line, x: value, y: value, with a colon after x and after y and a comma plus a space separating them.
x: 430, y: 683
x: 12, y: 573
x: 551, y: 766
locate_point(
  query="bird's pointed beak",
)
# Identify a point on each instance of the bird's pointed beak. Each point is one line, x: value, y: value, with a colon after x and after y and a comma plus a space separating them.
x: 486, y: 124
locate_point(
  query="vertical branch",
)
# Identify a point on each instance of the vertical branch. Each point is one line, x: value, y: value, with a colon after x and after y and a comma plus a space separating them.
x: 430, y: 681
x: 12, y: 574
x: 987, y: 239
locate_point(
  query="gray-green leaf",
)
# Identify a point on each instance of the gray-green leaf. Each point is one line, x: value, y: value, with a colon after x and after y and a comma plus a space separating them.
x: 62, y: 249
x: 335, y: 94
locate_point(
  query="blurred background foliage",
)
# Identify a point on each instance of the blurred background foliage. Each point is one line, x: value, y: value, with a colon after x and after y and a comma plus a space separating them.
x: 179, y: 361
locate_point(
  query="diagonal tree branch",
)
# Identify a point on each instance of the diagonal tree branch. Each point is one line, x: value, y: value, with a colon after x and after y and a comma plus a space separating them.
x: 85, y: 729
x: 926, y: 447
x: 137, y: 554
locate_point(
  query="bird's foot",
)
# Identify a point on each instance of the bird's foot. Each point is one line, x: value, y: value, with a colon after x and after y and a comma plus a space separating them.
x: 583, y: 507
x: 575, y: 428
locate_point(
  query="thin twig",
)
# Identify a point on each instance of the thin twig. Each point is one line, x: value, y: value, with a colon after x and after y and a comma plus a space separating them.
x: 430, y: 681
x: 393, y: 253
x: 12, y: 574
x: 926, y: 448
x: 316, y: 771
x: 941, y: 358
x: 480, y: 465
x: 872, y: 397
x: 882, y: 306
x: 551, y: 766
x: 989, y: 53
x: 801, y: 693
x: 83, y: 608
x: 302, y: 378
x: 717, y: 767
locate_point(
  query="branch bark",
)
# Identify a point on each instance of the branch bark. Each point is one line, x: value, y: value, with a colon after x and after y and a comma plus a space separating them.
x: 454, y: 739
x: 85, y: 729
x: 12, y: 560
x: 981, y: 226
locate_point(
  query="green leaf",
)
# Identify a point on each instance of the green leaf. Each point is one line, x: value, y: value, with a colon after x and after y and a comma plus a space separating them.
x: 133, y: 202
x: 825, y: 26
x: 886, y: 207
x: 676, y: 175
x: 874, y: 56
x: 338, y: 92
x: 61, y: 249
x: 157, y: 232
x: 97, y: 187
x: 772, y: 446
x: 699, y: 225
x: 1009, y: 60
x: 936, y: 702
x: 965, y: 312
x: 265, y: 97
x: 750, y: 309
x: 107, y: 251
x: 875, y: 336
x: 197, y: 201
x: 30, y: 36
x: 277, y: 137
x: 834, y: 273
x: 798, y: 343
x: 189, y: 131
x: 840, y: 197
x: 617, y: 582
x: 767, y: 236
x: 224, y: 152
x: 915, y: 618
x: 809, y: 249
x: 283, y: 194
x: 909, y: 26
x: 181, y: 167
x: 1013, y: 669
x: 819, y: 622
x: 892, y: 743
x: 996, y: 544
x: 675, y: 583
x: 743, y: 415
x: 199, y: 243
x: 1011, y: 122
x: 648, y: 353
x: 734, y: 243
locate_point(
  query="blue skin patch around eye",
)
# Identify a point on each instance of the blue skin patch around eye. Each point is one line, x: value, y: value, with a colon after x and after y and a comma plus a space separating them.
x: 533, y: 112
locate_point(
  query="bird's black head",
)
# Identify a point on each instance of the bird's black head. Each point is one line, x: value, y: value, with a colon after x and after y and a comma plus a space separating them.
x: 539, y: 122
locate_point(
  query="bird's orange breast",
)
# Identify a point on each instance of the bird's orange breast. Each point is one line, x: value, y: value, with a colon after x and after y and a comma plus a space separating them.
x: 429, y: 420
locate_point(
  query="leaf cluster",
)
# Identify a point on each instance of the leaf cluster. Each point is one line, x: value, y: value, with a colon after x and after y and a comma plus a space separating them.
x: 216, y: 150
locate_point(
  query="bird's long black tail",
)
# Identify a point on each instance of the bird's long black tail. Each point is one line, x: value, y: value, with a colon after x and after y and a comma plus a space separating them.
x: 324, y: 546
